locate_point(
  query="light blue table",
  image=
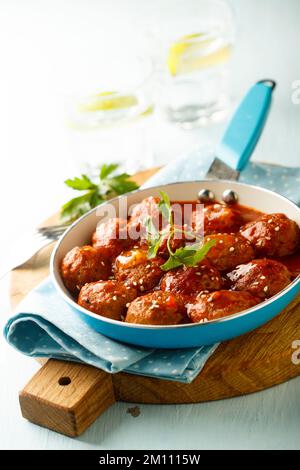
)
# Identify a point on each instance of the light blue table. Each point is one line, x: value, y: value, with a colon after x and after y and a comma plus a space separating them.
x: 34, y: 65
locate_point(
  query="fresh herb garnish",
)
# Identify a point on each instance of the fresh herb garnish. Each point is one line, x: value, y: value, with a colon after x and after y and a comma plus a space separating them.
x: 108, y: 186
x: 154, y: 238
x: 164, y: 207
x: 189, y: 255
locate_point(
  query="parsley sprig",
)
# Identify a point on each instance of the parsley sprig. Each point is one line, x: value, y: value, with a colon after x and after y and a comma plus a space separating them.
x: 109, y: 185
x: 189, y: 255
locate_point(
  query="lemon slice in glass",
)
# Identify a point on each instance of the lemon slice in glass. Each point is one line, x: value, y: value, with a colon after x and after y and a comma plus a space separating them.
x: 197, y: 51
x: 107, y: 101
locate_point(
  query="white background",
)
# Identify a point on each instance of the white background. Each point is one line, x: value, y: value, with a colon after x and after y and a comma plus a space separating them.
x: 43, y: 46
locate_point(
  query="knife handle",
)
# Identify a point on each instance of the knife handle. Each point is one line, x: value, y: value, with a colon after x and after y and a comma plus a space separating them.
x: 245, y: 127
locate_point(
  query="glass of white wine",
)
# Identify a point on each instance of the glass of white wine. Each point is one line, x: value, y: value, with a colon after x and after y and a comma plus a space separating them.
x: 195, y: 49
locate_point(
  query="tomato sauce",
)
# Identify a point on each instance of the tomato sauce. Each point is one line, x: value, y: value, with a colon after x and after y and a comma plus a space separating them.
x: 248, y: 214
x: 292, y: 262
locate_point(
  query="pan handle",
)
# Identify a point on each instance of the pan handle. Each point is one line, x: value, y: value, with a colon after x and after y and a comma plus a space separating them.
x: 246, y: 125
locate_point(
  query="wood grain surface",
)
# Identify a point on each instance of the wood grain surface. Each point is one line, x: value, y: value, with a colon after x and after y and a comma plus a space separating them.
x: 68, y: 397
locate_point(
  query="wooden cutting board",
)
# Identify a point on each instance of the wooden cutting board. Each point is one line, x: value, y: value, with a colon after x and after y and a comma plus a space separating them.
x: 67, y: 397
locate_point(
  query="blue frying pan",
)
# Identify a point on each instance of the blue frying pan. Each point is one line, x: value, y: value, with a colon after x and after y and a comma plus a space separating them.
x: 234, y: 151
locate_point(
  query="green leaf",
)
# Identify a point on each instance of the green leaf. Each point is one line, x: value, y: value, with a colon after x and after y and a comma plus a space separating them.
x: 171, y: 263
x: 152, y: 231
x: 108, y: 187
x: 194, y: 258
x: 153, y: 249
x: 121, y: 184
x: 165, y: 198
x: 96, y: 199
x: 106, y: 170
x: 164, y: 206
x: 188, y: 256
x: 154, y: 238
x: 81, y: 184
x: 76, y: 207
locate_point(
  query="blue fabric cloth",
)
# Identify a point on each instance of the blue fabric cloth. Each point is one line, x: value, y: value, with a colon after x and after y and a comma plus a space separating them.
x: 194, y: 166
x: 46, y: 326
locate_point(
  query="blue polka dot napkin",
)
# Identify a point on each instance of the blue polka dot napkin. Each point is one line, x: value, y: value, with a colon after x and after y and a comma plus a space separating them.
x: 46, y: 326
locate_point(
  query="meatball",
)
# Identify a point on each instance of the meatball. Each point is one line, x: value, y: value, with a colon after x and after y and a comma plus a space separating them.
x: 261, y: 277
x: 272, y: 235
x: 177, y: 241
x: 217, y: 218
x: 191, y: 281
x: 108, y: 299
x: 219, y: 304
x: 140, y: 213
x: 229, y: 251
x: 137, y: 270
x: 84, y: 264
x: 112, y: 237
x: 157, y: 308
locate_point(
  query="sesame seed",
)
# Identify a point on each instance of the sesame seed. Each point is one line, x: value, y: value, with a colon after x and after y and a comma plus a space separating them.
x: 148, y: 266
x: 270, y: 221
x: 134, y: 283
x: 141, y: 281
x: 266, y: 288
x: 127, y: 305
x: 198, y: 274
x: 142, y: 288
x: 210, y: 299
x: 217, y: 206
x: 202, y: 296
x: 236, y: 239
x: 255, y: 283
x: 231, y: 249
x: 221, y: 241
x: 262, y: 277
x: 206, y: 292
x: 212, y: 278
x: 128, y: 287
x: 268, y: 238
x: 114, y: 297
x: 102, y: 263
x: 208, y: 239
x: 277, y: 229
